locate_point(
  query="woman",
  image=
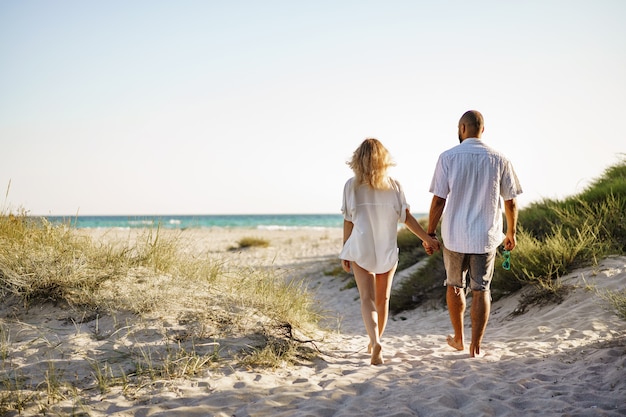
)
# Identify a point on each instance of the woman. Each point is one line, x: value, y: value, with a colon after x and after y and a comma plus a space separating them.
x: 373, y: 205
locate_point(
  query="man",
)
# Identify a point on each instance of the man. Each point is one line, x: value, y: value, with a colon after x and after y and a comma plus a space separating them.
x: 469, y: 181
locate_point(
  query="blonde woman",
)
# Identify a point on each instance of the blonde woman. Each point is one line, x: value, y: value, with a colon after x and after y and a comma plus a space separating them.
x: 373, y: 205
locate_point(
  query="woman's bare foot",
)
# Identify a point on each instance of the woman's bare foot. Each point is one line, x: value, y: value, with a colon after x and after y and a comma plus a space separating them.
x: 369, y: 348
x: 377, y: 355
x: 458, y: 345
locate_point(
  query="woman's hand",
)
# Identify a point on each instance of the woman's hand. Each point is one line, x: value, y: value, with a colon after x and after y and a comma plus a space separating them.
x: 346, y: 265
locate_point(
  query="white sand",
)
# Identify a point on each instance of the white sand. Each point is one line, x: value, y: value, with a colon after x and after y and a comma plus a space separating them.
x: 558, y: 360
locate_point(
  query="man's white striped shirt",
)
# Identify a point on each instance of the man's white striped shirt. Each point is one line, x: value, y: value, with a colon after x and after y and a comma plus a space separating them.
x: 473, y: 178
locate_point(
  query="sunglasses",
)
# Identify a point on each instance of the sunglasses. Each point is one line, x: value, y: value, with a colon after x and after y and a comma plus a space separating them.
x: 507, y: 259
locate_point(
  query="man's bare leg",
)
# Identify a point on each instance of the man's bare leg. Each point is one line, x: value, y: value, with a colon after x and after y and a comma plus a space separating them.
x: 481, y: 307
x: 455, y: 298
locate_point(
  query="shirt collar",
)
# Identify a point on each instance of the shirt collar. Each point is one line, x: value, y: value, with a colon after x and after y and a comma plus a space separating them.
x: 470, y: 140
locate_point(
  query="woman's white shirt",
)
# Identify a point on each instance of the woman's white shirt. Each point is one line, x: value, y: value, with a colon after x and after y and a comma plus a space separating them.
x: 375, y: 214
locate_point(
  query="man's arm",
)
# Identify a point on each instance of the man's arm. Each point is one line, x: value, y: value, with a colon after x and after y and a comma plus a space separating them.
x: 436, y: 210
x: 510, y: 211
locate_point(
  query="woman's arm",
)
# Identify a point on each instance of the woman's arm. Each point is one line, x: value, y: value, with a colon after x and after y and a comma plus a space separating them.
x: 347, y: 231
x: 414, y: 226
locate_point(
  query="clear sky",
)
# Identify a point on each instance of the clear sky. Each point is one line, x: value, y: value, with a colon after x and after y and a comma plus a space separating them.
x: 229, y: 107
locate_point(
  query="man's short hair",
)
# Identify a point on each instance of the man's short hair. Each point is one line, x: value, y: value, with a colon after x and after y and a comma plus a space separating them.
x: 473, y: 120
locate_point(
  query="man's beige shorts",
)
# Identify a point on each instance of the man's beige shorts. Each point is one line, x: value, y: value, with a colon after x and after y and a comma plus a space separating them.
x: 479, y: 266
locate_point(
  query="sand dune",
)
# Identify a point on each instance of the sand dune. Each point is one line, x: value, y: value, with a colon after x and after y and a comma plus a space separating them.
x: 556, y: 360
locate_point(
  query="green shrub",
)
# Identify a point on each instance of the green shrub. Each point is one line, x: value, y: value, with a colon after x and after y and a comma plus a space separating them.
x: 410, y: 249
x: 554, y: 238
x: 426, y: 284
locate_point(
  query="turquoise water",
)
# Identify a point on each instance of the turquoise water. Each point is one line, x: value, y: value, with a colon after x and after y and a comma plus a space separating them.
x: 257, y: 221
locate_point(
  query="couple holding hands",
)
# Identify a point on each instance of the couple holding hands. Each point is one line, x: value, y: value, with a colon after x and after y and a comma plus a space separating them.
x: 470, y: 181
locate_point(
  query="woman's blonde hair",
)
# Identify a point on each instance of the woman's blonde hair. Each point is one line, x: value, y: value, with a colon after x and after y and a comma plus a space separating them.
x: 370, y: 162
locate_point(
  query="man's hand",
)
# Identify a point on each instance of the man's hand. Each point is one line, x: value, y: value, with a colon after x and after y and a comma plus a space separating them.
x: 431, y: 246
x: 509, y: 241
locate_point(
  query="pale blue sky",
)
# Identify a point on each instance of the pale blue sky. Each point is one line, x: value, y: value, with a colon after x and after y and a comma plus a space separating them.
x: 211, y: 107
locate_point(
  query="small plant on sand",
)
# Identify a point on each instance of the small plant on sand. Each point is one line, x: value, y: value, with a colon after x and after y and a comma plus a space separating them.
x: 103, y: 376
x: 335, y: 270
x: 180, y: 362
x: 251, y: 242
x: 5, y: 342
x: 278, y: 347
x: 274, y: 354
x: 617, y: 299
x: 54, y: 383
x: 14, y: 395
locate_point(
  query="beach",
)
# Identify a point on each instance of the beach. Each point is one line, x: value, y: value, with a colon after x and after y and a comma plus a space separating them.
x: 564, y: 359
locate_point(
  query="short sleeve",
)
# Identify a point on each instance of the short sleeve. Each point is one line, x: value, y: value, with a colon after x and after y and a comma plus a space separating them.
x: 509, y: 185
x: 439, y: 184
x: 403, y: 205
x: 347, y: 207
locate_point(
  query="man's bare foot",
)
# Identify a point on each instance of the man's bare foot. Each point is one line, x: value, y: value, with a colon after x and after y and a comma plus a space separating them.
x: 454, y: 343
x: 377, y: 355
x: 474, y: 350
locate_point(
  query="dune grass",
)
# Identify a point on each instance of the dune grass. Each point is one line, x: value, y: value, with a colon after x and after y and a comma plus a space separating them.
x: 41, y: 262
x: 616, y: 299
x: 138, y: 285
x: 410, y: 247
x: 555, y: 237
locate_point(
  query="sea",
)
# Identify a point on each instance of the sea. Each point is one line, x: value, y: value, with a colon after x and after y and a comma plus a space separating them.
x: 254, y: 221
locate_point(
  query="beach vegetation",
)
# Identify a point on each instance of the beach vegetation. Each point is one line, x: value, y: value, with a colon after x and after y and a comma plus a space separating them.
x: 410, y: 249
x: 172, y: 312
x: 103, y: 375
x: 617, y: 300
x: 5, y: 341
x: 422, y: 287
x: 252, y: 242
x: 554, y: 238
x: 14, y: 394
x: 272, y: 353
x: 336, y: 271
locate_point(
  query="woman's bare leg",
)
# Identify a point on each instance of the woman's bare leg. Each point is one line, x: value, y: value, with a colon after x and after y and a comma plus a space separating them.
x: 365, y: 282
x: 383, y: 291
